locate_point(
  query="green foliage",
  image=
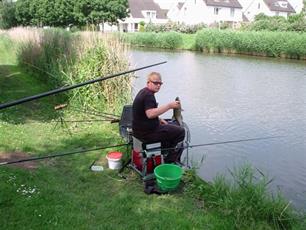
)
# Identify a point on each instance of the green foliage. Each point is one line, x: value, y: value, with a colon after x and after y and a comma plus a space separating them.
x: 98, y: 11
x: 141, y: 26
x: 168, y: 40
x: 45, y: 13
x: 296, y: 22
x: 52, y: 55
x: 63, y: 13
x: 173, y: 26
x: 265, y: 43
x: 146, y: 39
x: 60, y: 58
x: 7, y: 15
x: 245, y: 199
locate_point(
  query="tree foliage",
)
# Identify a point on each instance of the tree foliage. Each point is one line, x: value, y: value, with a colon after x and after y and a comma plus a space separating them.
x: 62, y: 13
x: 7, y: 15
x: 295, y: 22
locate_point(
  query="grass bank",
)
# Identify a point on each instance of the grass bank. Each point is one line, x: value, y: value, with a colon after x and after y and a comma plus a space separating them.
x: 256, y: 43
x: 63, y: 193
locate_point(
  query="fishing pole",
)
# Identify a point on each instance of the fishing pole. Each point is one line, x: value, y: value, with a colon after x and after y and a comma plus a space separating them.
x: 55, y: 91
x: 61, y: 154
x: 77, y: 121
x: 213, y: 143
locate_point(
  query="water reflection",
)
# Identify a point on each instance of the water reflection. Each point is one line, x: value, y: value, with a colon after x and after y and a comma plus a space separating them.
x: 228, y: 98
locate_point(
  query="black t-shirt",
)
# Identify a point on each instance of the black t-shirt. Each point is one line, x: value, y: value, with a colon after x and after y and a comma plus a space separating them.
x: 143, y: 101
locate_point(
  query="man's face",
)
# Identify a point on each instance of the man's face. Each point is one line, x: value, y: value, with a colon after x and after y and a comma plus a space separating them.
x: 154, y: 83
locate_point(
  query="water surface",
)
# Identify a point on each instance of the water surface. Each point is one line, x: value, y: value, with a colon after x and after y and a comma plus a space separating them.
x: 237, y: 97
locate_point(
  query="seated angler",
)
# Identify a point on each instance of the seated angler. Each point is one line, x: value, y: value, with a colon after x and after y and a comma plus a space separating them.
x: 148, y: 127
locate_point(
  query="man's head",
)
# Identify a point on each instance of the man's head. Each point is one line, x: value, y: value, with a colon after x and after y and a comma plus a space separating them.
x: 154, y: 82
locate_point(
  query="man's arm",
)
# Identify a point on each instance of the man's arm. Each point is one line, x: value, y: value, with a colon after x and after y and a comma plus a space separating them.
x: 155, y: 112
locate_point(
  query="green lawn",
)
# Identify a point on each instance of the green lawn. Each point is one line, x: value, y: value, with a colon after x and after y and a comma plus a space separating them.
x: 62, y: 193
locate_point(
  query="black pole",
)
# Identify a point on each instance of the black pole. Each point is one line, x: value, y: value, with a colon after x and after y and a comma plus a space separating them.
x: 55, y: 91
x: 60, y: 154
x: 215, y: 143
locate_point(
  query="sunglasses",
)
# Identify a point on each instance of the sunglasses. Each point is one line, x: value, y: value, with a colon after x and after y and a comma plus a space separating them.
x: 157, y: 82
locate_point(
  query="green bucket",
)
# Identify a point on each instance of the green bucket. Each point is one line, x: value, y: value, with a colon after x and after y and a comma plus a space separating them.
x: 168, y: 176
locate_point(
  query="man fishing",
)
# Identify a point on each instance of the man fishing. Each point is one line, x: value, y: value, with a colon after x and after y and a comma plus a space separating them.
x: 148, y: 127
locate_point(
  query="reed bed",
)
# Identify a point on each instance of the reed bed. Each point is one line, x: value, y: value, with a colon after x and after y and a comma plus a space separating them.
x: 264, y: 43
x: 60, y: 58
x: 166, y: 40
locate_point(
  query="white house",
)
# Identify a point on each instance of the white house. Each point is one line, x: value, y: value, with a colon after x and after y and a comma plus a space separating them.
x: 269, y: 8
x: 206, y: 11
x: 146, y: 11
x: 297, y: 5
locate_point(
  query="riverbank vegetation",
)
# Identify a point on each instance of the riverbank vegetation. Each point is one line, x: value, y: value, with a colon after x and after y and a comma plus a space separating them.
x: 63, y: 192
x: 259, y: 43
x: 59, y: 58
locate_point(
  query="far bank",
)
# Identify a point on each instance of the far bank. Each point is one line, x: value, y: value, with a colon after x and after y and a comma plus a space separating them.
x: 291, y: 45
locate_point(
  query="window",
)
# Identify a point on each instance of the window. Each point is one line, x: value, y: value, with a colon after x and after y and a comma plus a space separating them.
x: 150, y: 14
x: 216, y: 11
x: 258, y: 5
x: 277, y: 13
x: 232, y: 12
x: 136, y: 26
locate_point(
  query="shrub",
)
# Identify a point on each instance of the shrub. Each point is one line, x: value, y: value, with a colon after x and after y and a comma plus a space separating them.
x: 295, y: 22
x: 169, y: 40
x: 174, y: 26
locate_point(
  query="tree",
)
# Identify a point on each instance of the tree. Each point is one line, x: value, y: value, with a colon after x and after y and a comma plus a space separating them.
x: 69, y: 12
x: 7, y: 15
x: 101, y: 11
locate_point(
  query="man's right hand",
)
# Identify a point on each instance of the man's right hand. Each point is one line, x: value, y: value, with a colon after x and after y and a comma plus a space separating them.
x: 174, y: 105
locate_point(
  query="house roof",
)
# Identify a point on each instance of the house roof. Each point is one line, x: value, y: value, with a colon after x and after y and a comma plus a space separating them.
x: 277, y: 5
x: 136, y: 6
x: 180, y: 5
x: 223, y: 3
x: 244, y: 18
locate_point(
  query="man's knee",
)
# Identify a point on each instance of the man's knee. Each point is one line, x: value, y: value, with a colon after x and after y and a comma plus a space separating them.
x: 181, y: 134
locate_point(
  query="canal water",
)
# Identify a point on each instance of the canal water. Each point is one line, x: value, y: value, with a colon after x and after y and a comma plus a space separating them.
x: 237, y: 97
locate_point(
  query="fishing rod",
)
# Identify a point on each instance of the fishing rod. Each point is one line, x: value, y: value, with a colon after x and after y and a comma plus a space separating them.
x: 126, y: 144
x: 55, y: 91
x: 60, y: 154
x: 77, y: 121
x: 213, y: 143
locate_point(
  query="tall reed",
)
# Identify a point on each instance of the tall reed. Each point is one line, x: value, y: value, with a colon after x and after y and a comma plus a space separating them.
x: 101, y: 55
x: 263, y: 43
x: 166, y: 40
x: 61, y: 58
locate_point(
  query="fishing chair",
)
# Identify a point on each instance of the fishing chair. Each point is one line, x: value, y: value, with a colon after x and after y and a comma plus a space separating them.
x: 145, y: 157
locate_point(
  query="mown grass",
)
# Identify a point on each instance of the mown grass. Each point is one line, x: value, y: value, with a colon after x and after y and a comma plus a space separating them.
x: 258, y: 43
x: 63, y: 193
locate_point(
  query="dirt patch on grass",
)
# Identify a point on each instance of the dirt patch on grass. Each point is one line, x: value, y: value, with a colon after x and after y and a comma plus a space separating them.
x: 15, y: 156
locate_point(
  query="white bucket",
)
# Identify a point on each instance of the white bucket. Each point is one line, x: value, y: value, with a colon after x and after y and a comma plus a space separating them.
x: 114, y: 162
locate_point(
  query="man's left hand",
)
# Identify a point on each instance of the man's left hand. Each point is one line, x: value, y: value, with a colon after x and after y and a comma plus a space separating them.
x: 163, y: 122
